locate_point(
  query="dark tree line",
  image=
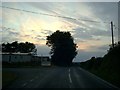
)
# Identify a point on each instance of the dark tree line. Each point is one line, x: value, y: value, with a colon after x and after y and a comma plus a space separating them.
x: 63, y: 48
x: 113, y: 53
x: 116, y: 45
x: 18, y: 47
x: 106, y: 67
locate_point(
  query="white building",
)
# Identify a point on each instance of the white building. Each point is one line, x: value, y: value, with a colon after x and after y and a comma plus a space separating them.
x: 36, y: 58
x: 45, y: 61
x: 16, y: 57
x: 25, y: 57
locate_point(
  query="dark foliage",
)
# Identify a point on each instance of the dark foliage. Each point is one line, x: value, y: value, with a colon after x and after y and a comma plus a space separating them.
x: 63, y: 49
x: 93, y: 63
x: 116, y: 46
x: 18, y: 47
x: 107, y: 67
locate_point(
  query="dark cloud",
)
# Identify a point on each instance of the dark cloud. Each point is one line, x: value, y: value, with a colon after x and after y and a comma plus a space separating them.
x: 90, y: 34
x: 26, y: 35
x: 38, y: 36
x: 75, y: 21
x: 13, y: 33
x: 11, y: 38
x: 102, y: 11
x: 105, y: 10
x: 9, y: 34
x: 102, y: 48
x: 79, y: 33
x: 47, y: 31
x: 99, y: 32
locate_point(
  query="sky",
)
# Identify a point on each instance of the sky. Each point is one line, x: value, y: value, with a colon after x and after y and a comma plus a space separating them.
x: 88, y: 23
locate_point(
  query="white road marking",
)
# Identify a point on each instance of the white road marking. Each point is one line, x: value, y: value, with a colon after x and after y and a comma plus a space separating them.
x: 70, y: 77
x: 27, y: 83
x: 31, y: 80
x: 70, y: 85
x: 69, y: 70
x: 24, y: 84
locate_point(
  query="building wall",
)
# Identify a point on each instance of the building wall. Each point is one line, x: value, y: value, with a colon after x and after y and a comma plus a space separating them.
x: 45, y: 61
x: 20, y: 58
x: 5, y: 58
x: 16, y: 58
x: 36, y: 59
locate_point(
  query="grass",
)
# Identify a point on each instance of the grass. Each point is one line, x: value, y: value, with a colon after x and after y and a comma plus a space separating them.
x: 20, y: 64
x: 7, y: 78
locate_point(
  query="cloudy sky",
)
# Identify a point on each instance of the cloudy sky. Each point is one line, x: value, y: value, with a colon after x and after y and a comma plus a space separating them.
x: 88, y: 22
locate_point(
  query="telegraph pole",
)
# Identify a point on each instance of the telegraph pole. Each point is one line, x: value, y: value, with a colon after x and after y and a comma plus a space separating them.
x: 112, y: 34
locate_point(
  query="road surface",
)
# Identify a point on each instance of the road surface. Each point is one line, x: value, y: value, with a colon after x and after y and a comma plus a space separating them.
x: 56, y: 77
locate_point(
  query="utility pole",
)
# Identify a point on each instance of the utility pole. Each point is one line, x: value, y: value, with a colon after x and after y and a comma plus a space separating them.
x: 112, y: 34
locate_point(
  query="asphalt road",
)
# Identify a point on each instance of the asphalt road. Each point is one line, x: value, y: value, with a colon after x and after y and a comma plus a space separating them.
x: 56, y: 77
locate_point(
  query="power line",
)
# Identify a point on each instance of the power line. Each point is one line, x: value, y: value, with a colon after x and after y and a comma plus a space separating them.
x: 62, y: 17
x: 53, y: 15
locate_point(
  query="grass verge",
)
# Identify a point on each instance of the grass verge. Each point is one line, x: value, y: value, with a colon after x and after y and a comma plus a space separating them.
x: 7, y: 78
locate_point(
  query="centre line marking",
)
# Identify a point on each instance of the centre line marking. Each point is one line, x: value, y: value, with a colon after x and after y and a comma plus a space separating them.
x: 69, y: 70
x: 24, y: 84
x: 31, y: 80
x: 70, y: 77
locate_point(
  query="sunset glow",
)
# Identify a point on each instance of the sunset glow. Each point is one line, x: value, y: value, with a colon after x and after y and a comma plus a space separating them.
x: 77, y: 18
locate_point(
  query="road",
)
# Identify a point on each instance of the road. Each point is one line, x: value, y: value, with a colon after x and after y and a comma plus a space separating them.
x: 56, y: 77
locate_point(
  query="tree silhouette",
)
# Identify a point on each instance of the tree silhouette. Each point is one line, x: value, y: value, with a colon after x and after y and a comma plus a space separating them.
x: 19, y: 47
x: 63, y: 49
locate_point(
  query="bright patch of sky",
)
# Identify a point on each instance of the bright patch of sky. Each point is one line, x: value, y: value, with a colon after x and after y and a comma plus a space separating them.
x: 92, y: 38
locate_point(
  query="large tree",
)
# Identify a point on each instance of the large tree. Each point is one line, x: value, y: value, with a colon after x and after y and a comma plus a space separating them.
x: 63, y: 48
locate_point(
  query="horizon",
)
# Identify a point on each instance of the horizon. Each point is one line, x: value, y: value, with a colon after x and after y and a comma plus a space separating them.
x: 92, y: 38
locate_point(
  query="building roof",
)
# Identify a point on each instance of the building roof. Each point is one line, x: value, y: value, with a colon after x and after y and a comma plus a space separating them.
x: 41, y: 56
x: 17, y: 53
